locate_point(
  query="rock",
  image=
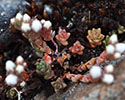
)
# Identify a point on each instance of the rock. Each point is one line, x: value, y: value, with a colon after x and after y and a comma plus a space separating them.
x: 8, y: 9
x: 40, y: 96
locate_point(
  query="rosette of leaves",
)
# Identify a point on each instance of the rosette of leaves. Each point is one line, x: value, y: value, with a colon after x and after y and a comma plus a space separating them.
x: 121, y: 29
x: 45, y: 69
x: 11, y: 93
x: 95, y: 37
x: 58, y: 85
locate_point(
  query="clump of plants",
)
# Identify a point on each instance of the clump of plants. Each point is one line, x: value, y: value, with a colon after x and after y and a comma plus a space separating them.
x: 34, y: 30
x: 62, y: 50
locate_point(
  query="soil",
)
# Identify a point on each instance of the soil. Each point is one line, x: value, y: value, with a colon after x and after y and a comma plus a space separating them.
x: 76, y: 16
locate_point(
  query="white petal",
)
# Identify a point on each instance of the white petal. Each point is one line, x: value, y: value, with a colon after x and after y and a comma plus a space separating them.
x: 108, y: 78
x: 47, y: 24
x: 19, y: 59
x: 36, y: 25
x: 110, y: 49
x: 109, y: 68
x: 96, y: 72
x: 22, y: 84
x: 25, y: 27
x: 26, y: 17
x: 43, y: 21
x: 117, y: 55
x: 10, y: 65
x: 20, y: 69
x: 120, y: 47
x: 11, y: 79
x: 113, y: 38
x: 12, y: 20
x: 19, y: 16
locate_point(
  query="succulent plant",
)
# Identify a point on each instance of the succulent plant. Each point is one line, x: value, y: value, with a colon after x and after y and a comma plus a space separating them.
x: 58, y: 84
x: 33, y: 29
x: 63, y: 36
x: 95, y: 37
x: 40, y: 66
x: 121, y: 29
x: 78, y: 77
x: 45, y: 69
x: 11, y: 93
x: 77, y: 48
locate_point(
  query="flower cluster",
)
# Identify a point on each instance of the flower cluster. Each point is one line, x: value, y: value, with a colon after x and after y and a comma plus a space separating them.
x: 114, y: 50
x: 16, y: 72
x: 33, y: 29
x: 95, y: 37
x: 106, y: 76
x: 77, y: 48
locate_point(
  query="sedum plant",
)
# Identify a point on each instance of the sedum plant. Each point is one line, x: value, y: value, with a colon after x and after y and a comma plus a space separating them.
x: 62, y: 37
x: 34, y: 30
x: 121, y: 29
x: 44, y: 69
x: 95, y: 37
x: 58, y: 84
x: 77, y: 48
x: 11, y: 93
x: 16, y: 74
x: 113, y: 51
x: 38, y: 32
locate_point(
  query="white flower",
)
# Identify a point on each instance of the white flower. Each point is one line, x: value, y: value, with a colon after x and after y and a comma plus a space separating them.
x: 22, y: 84
x: 108, y: 78
x: 36, y: 25
x: 10, y: 65
x: 43, y: 21
x: 96, y: 72
x: 109, y: 68
x: 113, y: 38
x: 117, y: 55
x: 120, y: 47
x: 11, y: 79
x: 20, y: 69
x: 19, y: 16
x: 25, y: 27
x: 24, y: 64
x: 19, y: 59
x: 12, y: 20
x: 47, y: 24
x: 26, y: 17
x: 110, y: 49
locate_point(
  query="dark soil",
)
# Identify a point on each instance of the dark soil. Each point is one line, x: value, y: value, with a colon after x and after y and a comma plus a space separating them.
x: 77, y: 17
